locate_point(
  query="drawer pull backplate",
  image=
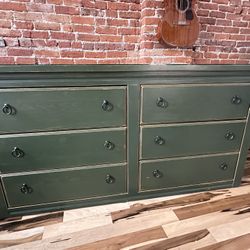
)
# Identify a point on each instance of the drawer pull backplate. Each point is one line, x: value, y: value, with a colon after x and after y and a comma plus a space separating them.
x: 8, y: 109
x: 107, y: 106
x: 236, y: 100
x: 25, y: 189
x: 161, y: 102
x: 17, y: 152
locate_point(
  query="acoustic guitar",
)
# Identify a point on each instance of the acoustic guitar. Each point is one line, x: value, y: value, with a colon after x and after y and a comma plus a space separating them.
x: 179, y: 26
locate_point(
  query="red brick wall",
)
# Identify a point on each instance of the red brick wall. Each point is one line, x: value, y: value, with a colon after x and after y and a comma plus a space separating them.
x: 117, y: 31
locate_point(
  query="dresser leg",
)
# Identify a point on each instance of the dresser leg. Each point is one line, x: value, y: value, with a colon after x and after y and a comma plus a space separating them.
x: 3, y: 205
x: 243, y: 153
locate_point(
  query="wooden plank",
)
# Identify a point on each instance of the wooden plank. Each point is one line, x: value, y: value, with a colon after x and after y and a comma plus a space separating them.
x: 205, y: 221
x: 6, y: 220
x: 116, y: 243
x: 139, y: 208
x: 38, y: 221
x: 242, y: 242
x: 141, y: 222
x: 230, y: 230
x: 212, y: 206
x: 175, y: 241
x: 14, y: 242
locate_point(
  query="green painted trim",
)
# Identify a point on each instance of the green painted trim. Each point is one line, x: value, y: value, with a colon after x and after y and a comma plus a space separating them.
x: 133, y: 137
x: 119, y: 68
x: 245, y: 144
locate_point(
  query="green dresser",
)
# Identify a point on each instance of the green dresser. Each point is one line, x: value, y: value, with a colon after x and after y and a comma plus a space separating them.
x: 74, y: 136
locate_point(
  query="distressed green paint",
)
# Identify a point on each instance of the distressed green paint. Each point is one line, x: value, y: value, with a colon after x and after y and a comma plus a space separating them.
x: 188, y: 171
x: 64, y: 185
x: 39, y: 90
x: 190, y: 139
x: 194, y: 103
x: 62, y: 149
x: 62, y: 108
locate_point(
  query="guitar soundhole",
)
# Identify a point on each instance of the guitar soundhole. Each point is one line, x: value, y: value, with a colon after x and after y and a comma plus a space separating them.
x: 183, y: 5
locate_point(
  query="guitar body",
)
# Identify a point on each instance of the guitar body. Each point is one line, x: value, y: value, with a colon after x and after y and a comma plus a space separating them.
x: 179, y: 26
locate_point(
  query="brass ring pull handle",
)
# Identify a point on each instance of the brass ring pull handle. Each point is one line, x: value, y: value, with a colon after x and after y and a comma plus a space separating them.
x: 157, y: 174
x: 159, y: 140
x: 25, y: 189
x: 223, y: 166
x: 17, y: 152
x: 107, y: 106
x: 236, y: 100
x: 230, y: 136
x: 109, y: 179
x: 8, y: 109
x: 161, y: 102
x: 109, y: 145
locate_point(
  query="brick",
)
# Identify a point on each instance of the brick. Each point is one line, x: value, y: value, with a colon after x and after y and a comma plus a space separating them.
x: 117, y: 22
x: 128, y: 31
x: 231, y: 30
x: 6, y: 60
x: 10, y: 33
x: 129, y: 14
x: 47, y: 26
x: 12, y: 6
x: 67, y: 10
x: 111, y: 54
x: 72, y: 2
x: 61, y: 61
x: 11, y: 42
x: 46, y: 53
x: 95, y: 54
x: 217, y: 14
x: 72, y: 54
x: 5, y: 24
x: 57, y: 18
x: 208, y: 6
x: 25, y: 60
x: 19, y: 52
x: 106, y: 30
x: 83, y: 20
x: 221, y: 22
x: 85, y: 61
x: 89, y: 37
x: 24, y: 25
x: 47, y: 8
x: 107, y: 38
x: 225, y: 8
x: 83, y: 28
x: 118, y: 6
x: 28, y: 16
x: 245, y: 31
x: 62, y: 35
x: 201, y: 12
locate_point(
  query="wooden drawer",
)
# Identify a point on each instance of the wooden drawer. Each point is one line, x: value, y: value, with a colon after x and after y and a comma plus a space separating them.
x: 190, y: 139
x: 36, y: 151
x: 47, y: 187
x: 194, y: 103
x: 42, y: 109
x: 187, y: 171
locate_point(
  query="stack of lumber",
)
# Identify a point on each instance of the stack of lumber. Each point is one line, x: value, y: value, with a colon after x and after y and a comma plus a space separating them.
x: 217, y: 219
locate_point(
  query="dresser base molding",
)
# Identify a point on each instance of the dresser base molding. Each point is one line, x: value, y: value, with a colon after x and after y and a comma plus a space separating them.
x: 112, y: 200
x: 78, y: 136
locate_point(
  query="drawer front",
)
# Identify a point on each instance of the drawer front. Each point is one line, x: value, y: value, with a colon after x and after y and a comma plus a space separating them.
x: 27, y: 152
x: 32, y: 189
x: 63, y: 108
x: 188, y: 171
x: 194, y: 103
x: 190, y: 139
